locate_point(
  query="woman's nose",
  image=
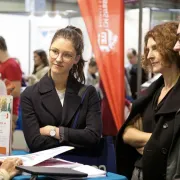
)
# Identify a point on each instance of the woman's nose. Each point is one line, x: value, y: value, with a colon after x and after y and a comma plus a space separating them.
x: 59, y: 58
x: 149, y: 54
x: 177, y: 46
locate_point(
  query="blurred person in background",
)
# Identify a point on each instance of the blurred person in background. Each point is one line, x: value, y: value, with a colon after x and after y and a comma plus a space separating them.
x: 132, y: 72
x: 128, y: 93
x: 41, y: 67
x: 145, y: 143
x: 11, y: 71
x: 92, y: 78
x: 23, y: 82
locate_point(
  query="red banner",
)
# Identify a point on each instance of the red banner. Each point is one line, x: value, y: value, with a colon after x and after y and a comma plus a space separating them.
x: 104, y: 20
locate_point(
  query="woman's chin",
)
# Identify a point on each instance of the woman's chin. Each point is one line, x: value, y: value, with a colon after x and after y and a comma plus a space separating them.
x: 156, y: 70
x: 55, y: 71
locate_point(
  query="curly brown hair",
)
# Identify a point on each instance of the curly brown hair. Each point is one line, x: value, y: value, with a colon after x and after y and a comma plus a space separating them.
x: 165, y: 37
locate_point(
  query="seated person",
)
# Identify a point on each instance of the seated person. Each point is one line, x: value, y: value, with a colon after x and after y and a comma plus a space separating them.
x: 49, y: 107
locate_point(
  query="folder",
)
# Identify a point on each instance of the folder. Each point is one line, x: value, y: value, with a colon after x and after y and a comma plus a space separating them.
x: 52, y: 171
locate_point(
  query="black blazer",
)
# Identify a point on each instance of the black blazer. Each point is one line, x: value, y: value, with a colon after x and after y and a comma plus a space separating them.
x: 155, y: 155
x: 41, y: 106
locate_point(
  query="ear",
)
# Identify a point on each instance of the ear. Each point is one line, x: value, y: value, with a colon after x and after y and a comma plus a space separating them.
x: 77, y: 59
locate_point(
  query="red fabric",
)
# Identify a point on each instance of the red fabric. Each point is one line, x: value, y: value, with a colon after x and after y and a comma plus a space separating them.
x: 9, y: 86
x: 109, y: 126
x: 104, y: 20
x: 11, y: 71
x: 127, y: 103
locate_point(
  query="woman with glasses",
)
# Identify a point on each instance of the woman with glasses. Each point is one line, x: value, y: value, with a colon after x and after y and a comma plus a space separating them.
x: 50, y: 106
x: 145, y: 143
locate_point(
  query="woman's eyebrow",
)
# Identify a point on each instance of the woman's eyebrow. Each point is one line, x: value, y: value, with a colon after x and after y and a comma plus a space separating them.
x: 66, y: 51
x: 53, y: 48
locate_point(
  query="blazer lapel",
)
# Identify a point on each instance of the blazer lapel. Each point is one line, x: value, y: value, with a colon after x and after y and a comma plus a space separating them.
x: 52, y: 104
x: 71, y: 102
x: 49, y: 97
x: 171, y: 104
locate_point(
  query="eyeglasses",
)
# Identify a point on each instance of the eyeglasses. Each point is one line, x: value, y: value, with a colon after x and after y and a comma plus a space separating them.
x: 66, y: 56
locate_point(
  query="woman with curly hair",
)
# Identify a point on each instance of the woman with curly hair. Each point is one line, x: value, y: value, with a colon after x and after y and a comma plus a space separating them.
x: 146, y: 140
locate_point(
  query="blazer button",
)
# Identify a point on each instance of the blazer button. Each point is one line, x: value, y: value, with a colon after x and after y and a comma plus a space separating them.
x: 165, y: 125
x: 164, y: 150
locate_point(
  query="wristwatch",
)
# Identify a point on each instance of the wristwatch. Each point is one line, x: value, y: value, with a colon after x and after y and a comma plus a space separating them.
x: 52, y: 132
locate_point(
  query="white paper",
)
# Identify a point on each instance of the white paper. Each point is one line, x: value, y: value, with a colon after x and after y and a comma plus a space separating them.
x: 38, y: 157
x: 91, y: 171
x: 5, y: 124
x: 56, y: 162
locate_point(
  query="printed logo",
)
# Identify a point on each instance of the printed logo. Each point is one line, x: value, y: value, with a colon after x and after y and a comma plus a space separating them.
x: 106, y: 38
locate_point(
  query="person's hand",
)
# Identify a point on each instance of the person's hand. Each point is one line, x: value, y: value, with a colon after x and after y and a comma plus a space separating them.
x: 10, y: 164
x: 46, y: 130
x: 140, y: 150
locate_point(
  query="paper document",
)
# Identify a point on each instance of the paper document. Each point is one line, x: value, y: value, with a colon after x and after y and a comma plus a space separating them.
x: 38, y: 157
x: 6, y: 103
x: 56, y: 162
x: 91, y: 171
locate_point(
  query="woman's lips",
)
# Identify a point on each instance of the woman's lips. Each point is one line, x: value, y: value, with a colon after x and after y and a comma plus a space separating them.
x: 58, y: 65
x: 154, y: 63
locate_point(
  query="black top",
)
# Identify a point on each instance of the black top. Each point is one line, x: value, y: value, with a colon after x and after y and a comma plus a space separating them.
x: 155, y: 152
x: 41, y: 106
x: 150, y: 122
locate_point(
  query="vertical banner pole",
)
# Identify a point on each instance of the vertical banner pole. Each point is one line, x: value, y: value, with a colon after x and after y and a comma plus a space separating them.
x: 139, y: 80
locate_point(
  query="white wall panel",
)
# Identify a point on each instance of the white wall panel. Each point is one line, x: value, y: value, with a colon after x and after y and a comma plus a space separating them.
x: 131, y: 36
x: 15, y: 30
x: 42, y: 30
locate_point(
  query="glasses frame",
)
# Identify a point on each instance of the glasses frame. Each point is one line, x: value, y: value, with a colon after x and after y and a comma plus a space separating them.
x: 65, y: 59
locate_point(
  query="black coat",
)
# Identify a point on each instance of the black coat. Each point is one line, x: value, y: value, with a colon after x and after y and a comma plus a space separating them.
x: 41, y: 106
x: 155, y: 155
